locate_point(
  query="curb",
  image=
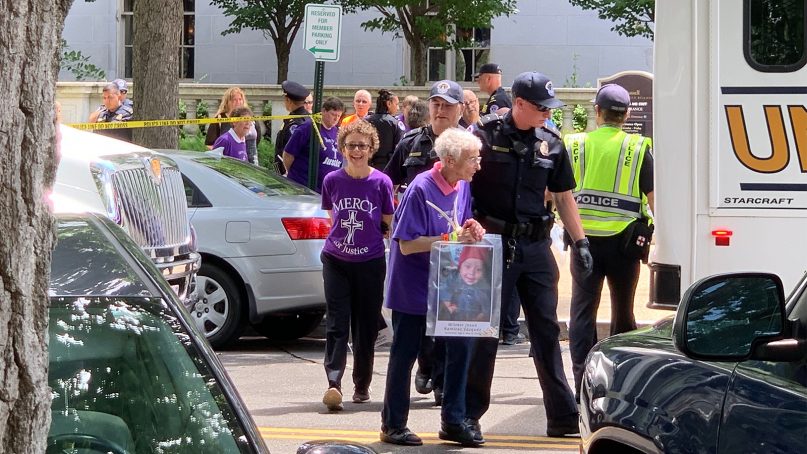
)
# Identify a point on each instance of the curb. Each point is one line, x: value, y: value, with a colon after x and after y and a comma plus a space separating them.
x: 603, y: 328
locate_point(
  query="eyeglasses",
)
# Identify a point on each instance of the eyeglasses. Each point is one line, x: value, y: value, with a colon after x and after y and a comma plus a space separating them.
x: 538, y: 106
x: 357, y: 146
x: 309, y: 102
x: 476, y: 159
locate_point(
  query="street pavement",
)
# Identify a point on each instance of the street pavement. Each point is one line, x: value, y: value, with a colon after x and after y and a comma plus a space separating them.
x: 282, y: 385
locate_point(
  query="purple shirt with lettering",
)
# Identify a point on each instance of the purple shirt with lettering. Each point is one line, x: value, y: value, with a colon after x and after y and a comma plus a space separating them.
x: 409, y: 274
x: 330, y: 158
x: 233, y: 146
x: 357, y: 205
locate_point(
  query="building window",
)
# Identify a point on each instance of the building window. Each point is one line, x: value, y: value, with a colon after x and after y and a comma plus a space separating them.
x: 186, y: 49
x: 774, y: 35
x: 460, y: 64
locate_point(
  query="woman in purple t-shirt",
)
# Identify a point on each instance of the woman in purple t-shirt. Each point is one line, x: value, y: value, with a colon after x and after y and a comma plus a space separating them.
x: 359, y: 201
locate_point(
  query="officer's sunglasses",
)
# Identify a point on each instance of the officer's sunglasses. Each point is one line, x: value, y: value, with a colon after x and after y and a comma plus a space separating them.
x: 538, y: 106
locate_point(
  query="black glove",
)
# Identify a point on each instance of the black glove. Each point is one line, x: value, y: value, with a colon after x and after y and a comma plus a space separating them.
x: 583, y: 253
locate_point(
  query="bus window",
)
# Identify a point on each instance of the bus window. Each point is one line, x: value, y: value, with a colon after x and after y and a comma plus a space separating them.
x: 774, y: 35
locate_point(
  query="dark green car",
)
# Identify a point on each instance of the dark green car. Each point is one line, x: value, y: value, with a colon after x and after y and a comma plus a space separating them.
x: 727, y: 375
x: 129, y: 372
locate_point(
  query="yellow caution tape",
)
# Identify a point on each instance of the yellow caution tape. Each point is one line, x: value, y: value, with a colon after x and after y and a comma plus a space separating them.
x: 316, y: 119
x: 187, y: 121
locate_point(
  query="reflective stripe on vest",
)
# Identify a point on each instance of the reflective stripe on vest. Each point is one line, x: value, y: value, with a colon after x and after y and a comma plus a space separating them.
x: 606, y: 169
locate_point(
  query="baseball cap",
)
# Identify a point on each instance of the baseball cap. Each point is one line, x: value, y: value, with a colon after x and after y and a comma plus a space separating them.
x: 448, y: 90
x: 294, y: 91
x: 537, y: 89
x: 613, y: 97
x: 488, y: 68
x: 121, y: 84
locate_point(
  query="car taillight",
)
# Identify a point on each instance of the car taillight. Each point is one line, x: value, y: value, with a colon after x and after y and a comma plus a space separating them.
x: 307, y: 228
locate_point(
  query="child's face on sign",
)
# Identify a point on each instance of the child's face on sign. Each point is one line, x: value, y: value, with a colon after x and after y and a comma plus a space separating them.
x: 471, y: 270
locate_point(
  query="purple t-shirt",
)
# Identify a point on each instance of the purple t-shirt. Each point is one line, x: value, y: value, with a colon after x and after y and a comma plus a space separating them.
x: 330, y: 158
x: 409, y: 274
x: 233, y: 146
x: 357, y: 205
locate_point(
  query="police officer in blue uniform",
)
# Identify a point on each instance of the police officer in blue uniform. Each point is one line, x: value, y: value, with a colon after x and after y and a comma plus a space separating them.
x: 295, y: 103
x: 114, y: 111
x: 520, y: 160
x: 489, y: 79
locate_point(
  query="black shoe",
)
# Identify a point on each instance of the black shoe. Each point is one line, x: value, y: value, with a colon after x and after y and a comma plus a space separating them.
x: 361, y: 395
x: 513, y: 339
x: 404, y: 437
x: 562, y: 429
x: 458, y: 433
x: 438, y: 397
x: 474, y: 425
x: 423, y: 383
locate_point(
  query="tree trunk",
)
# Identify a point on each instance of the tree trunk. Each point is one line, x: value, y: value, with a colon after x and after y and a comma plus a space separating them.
x: 282, y: 51
x: 155, y: 69
x: 418, y: 62
x: 29, y: 57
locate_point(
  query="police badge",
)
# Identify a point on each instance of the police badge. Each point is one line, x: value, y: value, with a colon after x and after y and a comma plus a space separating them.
x: 544, y: 148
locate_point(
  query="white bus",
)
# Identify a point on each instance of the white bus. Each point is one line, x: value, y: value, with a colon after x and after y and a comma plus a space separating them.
x: 730, y: 141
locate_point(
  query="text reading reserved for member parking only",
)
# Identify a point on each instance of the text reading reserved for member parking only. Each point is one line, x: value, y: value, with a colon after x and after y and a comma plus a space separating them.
x: 323, y: 24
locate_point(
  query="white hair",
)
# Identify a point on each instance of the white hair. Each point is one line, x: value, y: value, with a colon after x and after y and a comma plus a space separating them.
x: 453, y: 141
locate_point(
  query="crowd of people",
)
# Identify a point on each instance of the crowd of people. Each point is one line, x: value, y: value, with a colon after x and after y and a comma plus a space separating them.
x: 498, y: 167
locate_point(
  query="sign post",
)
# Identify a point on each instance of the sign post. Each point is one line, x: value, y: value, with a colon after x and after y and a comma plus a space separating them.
x: 640, y: 87
x: 323, y: 24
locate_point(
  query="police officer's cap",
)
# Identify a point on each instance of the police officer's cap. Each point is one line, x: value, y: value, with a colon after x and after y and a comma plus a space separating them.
x: 448, y: 90
x: 121, y: 84
x: 613, y: 97
x: 294, y: 91
x: 537, y: 89
x: 488, y: 68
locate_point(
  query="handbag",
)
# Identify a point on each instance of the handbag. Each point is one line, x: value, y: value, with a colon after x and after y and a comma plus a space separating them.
x: 636, y: 239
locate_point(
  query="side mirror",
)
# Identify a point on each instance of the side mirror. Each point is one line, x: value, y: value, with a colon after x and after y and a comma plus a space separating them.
x: 725, y: 317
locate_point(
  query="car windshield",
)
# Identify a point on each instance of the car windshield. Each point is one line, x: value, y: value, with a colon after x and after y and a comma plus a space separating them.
x: 126, y: 378
x: 86, y: 262
x: 260, y: 181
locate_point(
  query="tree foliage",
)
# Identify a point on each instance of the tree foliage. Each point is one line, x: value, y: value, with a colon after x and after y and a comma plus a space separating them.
x: 630, y: 17
x: 425, y: 23
x: 79, y: 64
x: 279, y: 20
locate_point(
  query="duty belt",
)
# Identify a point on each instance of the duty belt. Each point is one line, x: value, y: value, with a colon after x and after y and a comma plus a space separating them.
x: 536, y: 229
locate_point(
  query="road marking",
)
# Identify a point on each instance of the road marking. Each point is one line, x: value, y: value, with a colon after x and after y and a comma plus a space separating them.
x: 367, y: 436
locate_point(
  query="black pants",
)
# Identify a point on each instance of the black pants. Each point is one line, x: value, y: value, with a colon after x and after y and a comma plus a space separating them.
x: 431, y: 359
x: 407, y: 332
x: 534, y: 273
x: 511, y: 309
x: 354, y: 293
x: 622, y: 274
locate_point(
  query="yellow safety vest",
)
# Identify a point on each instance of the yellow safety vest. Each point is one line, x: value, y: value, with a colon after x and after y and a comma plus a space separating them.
x: 606, y: 165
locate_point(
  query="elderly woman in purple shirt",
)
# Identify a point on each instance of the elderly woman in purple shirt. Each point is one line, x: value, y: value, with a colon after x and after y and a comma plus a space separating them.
x: 417, y: 226
x: 359, y: 201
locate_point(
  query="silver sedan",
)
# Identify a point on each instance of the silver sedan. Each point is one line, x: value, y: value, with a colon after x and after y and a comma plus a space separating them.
x: 260, y: 237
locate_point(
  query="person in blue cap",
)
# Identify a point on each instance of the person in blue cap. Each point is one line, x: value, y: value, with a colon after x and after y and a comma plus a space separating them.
x: 295, y: 96
x: 521, y: 160
x: 609, y: 165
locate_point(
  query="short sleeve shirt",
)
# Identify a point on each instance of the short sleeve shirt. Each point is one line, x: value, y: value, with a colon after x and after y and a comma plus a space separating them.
x: 357, y: 205
x: 513, y: 178
x: 409, y: 274
x: 233, y: 146
x: 330, y: 158
x: 496, y: 101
